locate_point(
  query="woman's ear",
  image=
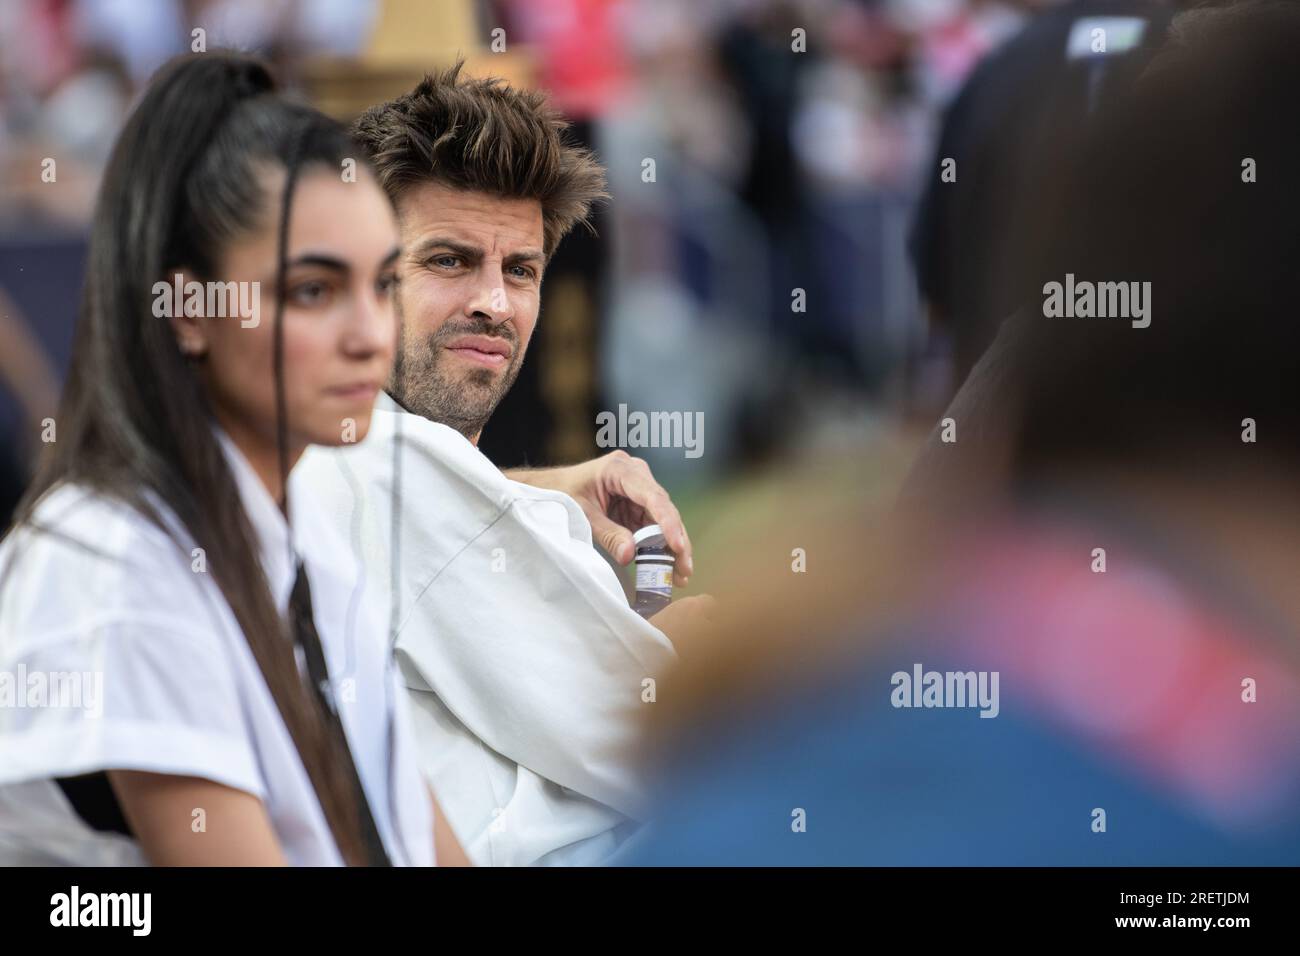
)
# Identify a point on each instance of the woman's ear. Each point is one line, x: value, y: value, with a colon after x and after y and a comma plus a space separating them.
x: 184, y: 311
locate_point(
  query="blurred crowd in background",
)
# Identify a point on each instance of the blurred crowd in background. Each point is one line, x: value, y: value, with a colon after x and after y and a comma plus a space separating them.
x: 774, y: 173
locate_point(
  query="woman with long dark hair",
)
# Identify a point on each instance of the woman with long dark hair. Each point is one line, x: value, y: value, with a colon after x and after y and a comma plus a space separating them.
x: 194, y: 673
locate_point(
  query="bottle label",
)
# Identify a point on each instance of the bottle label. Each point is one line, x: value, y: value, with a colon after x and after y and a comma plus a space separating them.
x: 655, y: 577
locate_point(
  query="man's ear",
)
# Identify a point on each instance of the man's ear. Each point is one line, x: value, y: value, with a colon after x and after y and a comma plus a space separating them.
x: 188, y: 324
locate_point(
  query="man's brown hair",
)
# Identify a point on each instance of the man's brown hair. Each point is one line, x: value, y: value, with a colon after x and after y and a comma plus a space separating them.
x: 486, y: 136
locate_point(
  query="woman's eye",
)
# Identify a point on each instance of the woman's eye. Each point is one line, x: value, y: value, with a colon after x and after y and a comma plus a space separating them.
x: 387, y: 284
x: 313, y: 292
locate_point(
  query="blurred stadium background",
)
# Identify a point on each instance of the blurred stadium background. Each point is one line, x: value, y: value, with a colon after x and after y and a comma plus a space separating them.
x: 773, y: 173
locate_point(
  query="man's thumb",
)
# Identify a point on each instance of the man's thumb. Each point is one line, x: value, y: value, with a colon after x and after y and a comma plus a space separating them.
x: 614, y: 538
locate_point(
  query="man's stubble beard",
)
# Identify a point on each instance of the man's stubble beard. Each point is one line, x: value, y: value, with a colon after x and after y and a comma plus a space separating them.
x: 426, y: 382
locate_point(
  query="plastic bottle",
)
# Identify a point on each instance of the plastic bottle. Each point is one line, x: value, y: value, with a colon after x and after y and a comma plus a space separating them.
x: 654, y: 571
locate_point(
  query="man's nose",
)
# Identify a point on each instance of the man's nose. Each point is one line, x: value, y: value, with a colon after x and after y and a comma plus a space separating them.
x: 489, y: 300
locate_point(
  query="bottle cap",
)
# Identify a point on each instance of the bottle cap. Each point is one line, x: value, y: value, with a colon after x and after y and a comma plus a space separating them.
x: 649, y: 531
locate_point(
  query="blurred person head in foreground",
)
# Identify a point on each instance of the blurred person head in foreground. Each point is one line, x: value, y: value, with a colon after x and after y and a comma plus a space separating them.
x: 1098, y: 665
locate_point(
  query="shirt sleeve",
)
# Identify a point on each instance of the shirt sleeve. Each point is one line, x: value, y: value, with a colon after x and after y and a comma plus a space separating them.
x: 127, y: 694
x: 540, y: 661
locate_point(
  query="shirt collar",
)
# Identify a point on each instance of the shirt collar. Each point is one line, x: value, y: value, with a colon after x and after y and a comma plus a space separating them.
x: 386, y: 403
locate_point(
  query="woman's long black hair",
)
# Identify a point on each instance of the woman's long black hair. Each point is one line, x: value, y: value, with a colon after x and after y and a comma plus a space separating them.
x: 183, y: 182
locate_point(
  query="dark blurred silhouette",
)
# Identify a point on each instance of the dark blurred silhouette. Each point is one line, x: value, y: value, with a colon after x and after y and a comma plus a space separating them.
x: 1130, y: 579
x: 27, y: 377
x: 1013, y: 124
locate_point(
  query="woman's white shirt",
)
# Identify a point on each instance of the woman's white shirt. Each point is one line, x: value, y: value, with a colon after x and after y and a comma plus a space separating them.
x: 118, y: 652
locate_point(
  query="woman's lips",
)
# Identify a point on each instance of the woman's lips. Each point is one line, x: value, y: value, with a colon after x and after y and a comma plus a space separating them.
x: 356, y: 393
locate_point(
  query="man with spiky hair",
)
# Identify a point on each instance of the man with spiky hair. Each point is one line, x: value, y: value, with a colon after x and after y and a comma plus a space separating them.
x: 528, y: 671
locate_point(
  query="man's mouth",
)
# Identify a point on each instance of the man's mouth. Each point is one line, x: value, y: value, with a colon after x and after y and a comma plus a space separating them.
x: 485, y: 350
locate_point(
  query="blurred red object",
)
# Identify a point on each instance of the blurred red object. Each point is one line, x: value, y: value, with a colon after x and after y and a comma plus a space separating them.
x: 1150, y: 671
x: 580, y: 45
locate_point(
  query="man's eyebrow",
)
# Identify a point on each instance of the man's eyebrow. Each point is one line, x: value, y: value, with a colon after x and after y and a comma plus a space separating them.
x: 470, y: 252
x: 425, y: 246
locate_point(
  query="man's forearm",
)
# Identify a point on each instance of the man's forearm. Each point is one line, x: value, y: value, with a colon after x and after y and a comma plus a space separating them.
x: 526, y: 476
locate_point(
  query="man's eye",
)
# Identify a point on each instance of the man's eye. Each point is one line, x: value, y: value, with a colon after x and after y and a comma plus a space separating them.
x: 522, y: 272
x: 445, y: 262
